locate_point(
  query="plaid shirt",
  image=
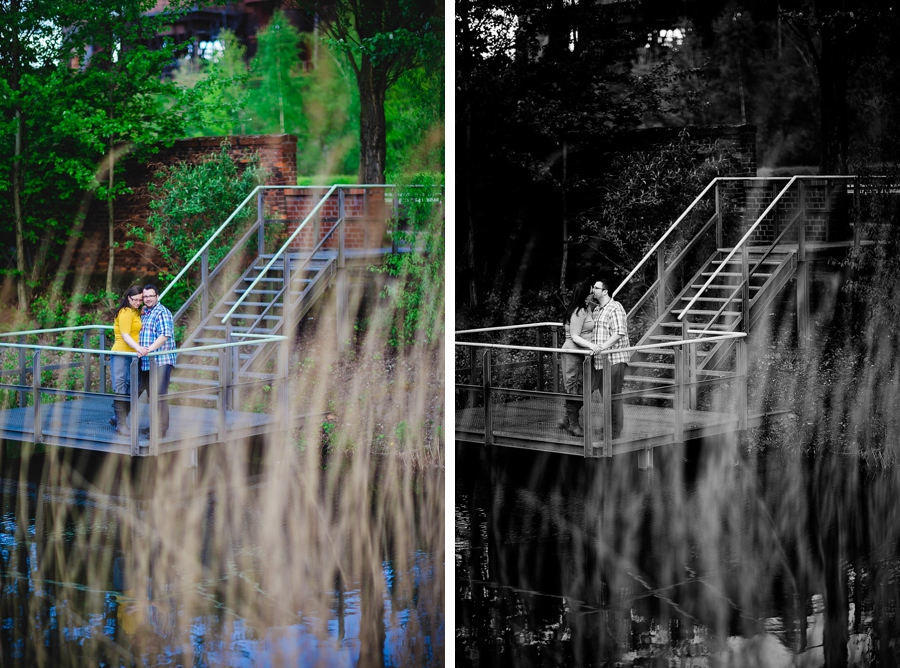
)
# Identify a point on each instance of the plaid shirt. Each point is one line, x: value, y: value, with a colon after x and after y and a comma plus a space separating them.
x: 154, y: 323
x: 610, y: 319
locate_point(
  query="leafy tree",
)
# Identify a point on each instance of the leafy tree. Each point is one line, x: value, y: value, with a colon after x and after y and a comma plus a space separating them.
x: 839, y: 38
x: 189, y: 201
x: 383, y: 39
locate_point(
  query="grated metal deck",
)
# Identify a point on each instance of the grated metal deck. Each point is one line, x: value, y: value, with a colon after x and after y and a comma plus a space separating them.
x: 84, y: 424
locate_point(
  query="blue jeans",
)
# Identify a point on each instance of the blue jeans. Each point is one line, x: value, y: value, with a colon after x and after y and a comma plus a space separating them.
x: 120, y: 368
x: 164, y: 374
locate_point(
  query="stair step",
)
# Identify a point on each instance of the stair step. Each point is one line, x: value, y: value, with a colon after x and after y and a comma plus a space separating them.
x: 721, y: 300
x: 703, y: 312
x: 190, y: 380
x: 197, y: 367
x: 257, y: 292
x: 679, y: 325
x: 737, y: 260
x: 651, y: 379
x: 735, y: 274
x: 236, y: 328
x: 731, y: 287
x: 651, y: 365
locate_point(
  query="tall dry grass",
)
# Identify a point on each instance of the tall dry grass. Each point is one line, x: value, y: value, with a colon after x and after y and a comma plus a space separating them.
x: 317, y: 546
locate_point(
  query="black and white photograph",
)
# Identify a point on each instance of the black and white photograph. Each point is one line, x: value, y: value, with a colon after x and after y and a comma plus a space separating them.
x: 675, y: 375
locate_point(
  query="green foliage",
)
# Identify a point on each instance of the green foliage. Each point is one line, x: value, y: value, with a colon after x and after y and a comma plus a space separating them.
x: 79, y: 309
x: 190, y: 201
x: 644, y: 191
x: 416, y: 296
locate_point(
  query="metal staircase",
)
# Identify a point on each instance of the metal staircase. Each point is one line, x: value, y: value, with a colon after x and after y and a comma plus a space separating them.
x: 710, y: 287
x: 255, y: 290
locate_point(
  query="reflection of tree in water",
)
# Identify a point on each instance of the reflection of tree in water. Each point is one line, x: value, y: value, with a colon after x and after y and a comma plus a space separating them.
x: 566, y: 561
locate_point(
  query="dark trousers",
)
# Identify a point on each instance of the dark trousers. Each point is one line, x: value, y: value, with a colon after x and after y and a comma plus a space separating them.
x: 616, y: 381
x: 164, y: 373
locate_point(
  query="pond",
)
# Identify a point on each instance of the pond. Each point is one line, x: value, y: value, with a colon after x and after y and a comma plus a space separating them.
x: 721, y: 555
x: 252, y: 558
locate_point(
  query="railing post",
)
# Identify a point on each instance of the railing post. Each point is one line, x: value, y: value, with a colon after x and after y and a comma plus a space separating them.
x: 555, y: 357
x: 607, y: 407
x: 486, y: 386
x: 743, y: 375
x: 341, y: 282
x: 102, y: 362
x: 284, y: 358
x: 802, y: 275
x: 395, y: 211
x: 470, y: 401
x: 540, y: 359
x: 857, y: 218
x: 261, y: 233
x: 86, y: 341
x: 135, y: 416
x: 223, y: 395
x: 204, y: 277
x: 719, y: 233
x: 587, y: 369
x: 153, y: 400
x: 36, y: 396
x: 745, y: 291
x: 678, y: 402
x: 22, y: 372
x: 661, y: 274
x: 691, y: 353
x: 233, y: 370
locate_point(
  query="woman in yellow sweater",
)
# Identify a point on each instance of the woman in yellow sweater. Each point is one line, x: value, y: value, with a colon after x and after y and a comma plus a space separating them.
x: 127, y: 326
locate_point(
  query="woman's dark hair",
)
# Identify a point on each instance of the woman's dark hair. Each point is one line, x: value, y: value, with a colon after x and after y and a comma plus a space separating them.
x: 579, y: 295
x: 133, y: 291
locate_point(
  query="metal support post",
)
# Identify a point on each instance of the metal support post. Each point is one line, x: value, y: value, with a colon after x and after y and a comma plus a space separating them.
x: 36, y: 396
x: 153, y: 397
x: 223, y: 396
x: 470, y: 402
x: 607, y: 407
x: 102, y: 362
x: 802, y: 276
x: 486, y: 386
x: 691, y: 354
x: 679, y: 393
x: 22, y: 372
x: 342, y: 297
x: 745, y: 291
x: 719, y: 232
x: 86, y: 342
x: 261, y: 233
x: 284, y: 358
x: 857, y: 218
x: 204, y: 278
x: 538, y: 342
x: 135, y: 416
x: 661, y: 274
x: 742, y: 369
x: 555, y: 335
x: 586, y: 371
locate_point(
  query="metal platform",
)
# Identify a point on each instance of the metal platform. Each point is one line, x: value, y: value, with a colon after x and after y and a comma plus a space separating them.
x: 84, y: 423
x: 531, y: 424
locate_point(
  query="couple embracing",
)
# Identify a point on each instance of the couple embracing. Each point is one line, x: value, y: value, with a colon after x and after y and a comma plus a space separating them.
x: 595, y: 321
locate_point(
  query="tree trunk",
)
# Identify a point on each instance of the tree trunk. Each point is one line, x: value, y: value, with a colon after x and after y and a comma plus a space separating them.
x: 372, y: 127
x: 112, y: 225
x: 16, y: 175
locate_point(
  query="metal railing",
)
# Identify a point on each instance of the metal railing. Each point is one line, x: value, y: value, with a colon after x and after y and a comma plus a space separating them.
x: 688, y: 381
x: 742, y: 245
x: 31, y: 359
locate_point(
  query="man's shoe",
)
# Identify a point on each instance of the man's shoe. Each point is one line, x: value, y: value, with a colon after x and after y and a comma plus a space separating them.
x: 122, y: 430
x: 145, y: 431
x: 113, y: 422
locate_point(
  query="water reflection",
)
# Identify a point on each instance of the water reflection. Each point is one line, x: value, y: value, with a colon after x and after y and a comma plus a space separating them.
x: 239, y: 562
x: 719, y: 556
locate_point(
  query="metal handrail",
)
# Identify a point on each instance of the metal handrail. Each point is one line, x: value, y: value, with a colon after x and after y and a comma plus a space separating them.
x: 77, y: 328
x: 507, y: 327
x: 684, y: 214
x: 209, y: 241
x: 291, y: 239
x: 259, y: 338
x: 582, y: 351
x: 750, y: 232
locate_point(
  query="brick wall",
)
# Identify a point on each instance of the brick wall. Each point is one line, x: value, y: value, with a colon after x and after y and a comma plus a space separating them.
x: 826, y: 210
x: 278, y: 155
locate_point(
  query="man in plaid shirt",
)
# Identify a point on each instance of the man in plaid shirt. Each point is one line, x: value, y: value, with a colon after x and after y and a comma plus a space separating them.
x: 610, y: 333
x: 157, y: 333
